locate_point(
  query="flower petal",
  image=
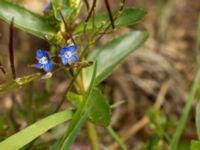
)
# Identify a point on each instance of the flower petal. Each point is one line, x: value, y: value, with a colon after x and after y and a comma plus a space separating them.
x: 46, y: 7
x: 47, y: 55
x: 48, y: 67
x: 64, y: 60
x: 63, y: 50
x: 38, y: 65
x: 39, y: 53
x: 72, y: 48
x: 74, y: 58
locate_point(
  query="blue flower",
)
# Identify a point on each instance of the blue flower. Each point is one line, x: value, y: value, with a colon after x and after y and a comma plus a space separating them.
x: 46, y: 7
x: 67, y: 54
x: 43, y: 60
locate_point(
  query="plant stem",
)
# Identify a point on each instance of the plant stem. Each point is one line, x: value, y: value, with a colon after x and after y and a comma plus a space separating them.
x: 92, y: 136
x: 116, y: 138
x: 67, y: 89
x: 11, y: 51
x: 185, y: 113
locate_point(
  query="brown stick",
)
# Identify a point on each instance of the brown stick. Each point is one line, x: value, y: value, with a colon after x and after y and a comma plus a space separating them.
x: 87, y: 4
x: 110, y: 13
x: 91, y: 10
x: 11, y: 51
x: 67, y: 29
x: 2, y: 68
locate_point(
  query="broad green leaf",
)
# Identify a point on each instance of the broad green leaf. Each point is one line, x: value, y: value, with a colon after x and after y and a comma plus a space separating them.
x: 18, y: 82
x: 25, y: 19
x: 129, y: 16
x: 99, y: 109
x: 181, y: 123
x: 197, y: 119
x: 74, y: 99
x: 79, y: 118
x: 195, y: 145
x: 28, y: 134
x: 112, y: 54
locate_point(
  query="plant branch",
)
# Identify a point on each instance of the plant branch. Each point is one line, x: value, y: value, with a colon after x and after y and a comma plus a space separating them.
x: 85, y: 50
x: 2, y: 69
x: 87, y: 4
x: 91, y: 10
x: 67, y: 32
x: 11, y: 51
x: 109, y: 13
x: 92, y: 136
x: 67, y: 89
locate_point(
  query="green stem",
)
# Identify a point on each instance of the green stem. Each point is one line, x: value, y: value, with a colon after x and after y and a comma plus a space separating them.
x: 92, y: 136
x: 186, y: 110
x: 116, y: 138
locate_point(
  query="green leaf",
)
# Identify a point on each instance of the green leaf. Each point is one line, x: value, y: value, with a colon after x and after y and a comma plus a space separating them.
x: 74, y: 99
x: 129, y: 16
x: 62, y: 6
x: 181, y: 123
x: 112, y: 54
x: 99, y: 109
x: 28, y: 134
x: 197, y: 119
x: 18, y: 82
x: 68, y: 8
x: 195, y: 145
x: 79, y: 118
x: 25, y: 19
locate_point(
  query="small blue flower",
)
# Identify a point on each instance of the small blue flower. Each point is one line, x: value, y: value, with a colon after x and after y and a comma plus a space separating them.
x: 67, y: 54
x: 43, y: 60
x: 46, y: 7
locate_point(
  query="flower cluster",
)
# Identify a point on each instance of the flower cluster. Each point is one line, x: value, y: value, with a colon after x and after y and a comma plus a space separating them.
x: 67, y: 55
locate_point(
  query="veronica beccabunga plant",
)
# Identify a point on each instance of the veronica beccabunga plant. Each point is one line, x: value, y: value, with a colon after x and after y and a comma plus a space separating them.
x: 72, y: 28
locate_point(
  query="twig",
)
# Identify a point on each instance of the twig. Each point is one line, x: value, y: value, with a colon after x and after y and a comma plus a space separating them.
x: 145, y: 120
x: 122, y: 5
x: 2, y: 68
x: 87, y: 4
x: 11, y: 51
x: 109, y: 13
x: 67, y: 89
x: 67, y: 32
x: 102, y: 33
x: 91, y: 10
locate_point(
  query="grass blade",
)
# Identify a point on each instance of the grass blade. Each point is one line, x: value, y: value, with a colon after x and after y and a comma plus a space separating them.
x: 197, y: 119
x: 116, y: 138
x: 28, y: 134
x: 79, y: 117
x: 186, y: 110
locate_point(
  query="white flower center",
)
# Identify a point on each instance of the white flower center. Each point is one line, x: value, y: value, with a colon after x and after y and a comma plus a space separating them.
x: 68, y: 54
x: 43, y: 60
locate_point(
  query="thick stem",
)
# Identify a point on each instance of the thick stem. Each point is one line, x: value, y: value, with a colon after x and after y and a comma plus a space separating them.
x: 92, y: 136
